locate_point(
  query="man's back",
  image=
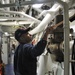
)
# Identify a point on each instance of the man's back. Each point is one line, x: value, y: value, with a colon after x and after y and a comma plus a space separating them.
x: 26, y: 64
x: 25, y: 57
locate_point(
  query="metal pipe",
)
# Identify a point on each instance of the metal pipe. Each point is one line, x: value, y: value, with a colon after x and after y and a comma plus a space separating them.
x: 16, y: 23
x: 21, y: 13
x: 26, y: 2
x: 72, y: 60
x: 14, y: 18
x: 46, y: 20
x: 66, y: 37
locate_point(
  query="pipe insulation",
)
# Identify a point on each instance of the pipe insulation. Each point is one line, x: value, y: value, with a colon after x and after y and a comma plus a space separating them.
x: 46, y: 19
x: 21, y: 13
x: 16, y: 23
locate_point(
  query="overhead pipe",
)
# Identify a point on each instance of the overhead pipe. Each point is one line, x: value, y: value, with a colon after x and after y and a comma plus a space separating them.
x: 51, y: 11
x: 49, y: 17
x: 46, y: 11
x: 15, y: 18
x: 21, y: 13
x: 30, y: 2
x: 16, y: 23
x: 26, y: 2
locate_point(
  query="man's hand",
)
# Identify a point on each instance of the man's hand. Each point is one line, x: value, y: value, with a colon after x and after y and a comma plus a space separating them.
x: 48, y: 30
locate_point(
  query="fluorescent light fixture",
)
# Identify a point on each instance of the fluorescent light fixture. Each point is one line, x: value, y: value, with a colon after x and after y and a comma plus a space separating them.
x: 37, y: 5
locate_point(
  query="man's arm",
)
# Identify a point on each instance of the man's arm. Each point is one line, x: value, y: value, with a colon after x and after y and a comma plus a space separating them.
x: 38, y: 49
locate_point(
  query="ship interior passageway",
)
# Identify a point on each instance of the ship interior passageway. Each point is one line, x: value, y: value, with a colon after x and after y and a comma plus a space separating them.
x: 58, y: 57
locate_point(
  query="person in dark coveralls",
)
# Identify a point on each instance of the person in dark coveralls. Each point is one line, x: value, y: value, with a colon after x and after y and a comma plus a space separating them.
x: 25, y: 56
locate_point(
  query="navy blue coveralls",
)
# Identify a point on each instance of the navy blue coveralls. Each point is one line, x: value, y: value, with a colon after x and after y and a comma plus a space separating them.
x: 25, y: 58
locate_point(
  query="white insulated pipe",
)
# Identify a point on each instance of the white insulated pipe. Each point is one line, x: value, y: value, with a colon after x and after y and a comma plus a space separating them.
x: 14, y: 18
x: 21, y: 13
x: 16, y: 23
x: 46, y: 20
